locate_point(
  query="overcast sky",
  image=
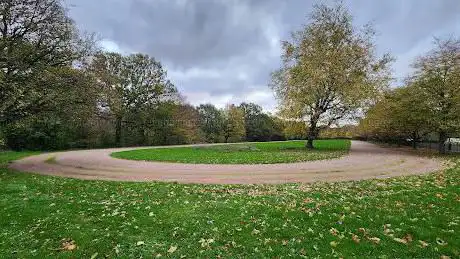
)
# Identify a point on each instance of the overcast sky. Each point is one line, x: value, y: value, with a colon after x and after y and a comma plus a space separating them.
x: 222, y: 51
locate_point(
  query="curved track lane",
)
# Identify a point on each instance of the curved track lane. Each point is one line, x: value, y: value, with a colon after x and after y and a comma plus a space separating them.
x: 364, y: 161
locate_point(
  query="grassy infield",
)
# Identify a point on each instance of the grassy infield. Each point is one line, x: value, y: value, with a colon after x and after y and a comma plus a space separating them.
x: 415, y: 216
x: 248, y: 153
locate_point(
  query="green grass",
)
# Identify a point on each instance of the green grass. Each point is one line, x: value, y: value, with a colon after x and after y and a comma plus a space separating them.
x: 246, y: 153
x: 405, y: 217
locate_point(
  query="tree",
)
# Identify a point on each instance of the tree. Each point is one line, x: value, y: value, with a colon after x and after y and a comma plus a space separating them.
x: 437, y: 78
x: 295, y: 129
x: 131, y: 85
x: 65, y: 126
x: 186, y: 124
x: 410, y: 114
x: 329, y: 71
x: 402, y: 114
x: 211, y: 122
x: 234, y: 130
x: 35, y: 35
x: 258, y: 125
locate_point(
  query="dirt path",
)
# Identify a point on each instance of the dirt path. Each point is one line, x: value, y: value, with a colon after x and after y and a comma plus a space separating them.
x: 364, y: 161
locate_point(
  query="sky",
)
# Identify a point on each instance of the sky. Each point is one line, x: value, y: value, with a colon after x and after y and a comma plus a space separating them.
x: 223, y: 51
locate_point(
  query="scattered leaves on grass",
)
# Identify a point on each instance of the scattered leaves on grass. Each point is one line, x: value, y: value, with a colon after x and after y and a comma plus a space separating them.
x: 289, y: 217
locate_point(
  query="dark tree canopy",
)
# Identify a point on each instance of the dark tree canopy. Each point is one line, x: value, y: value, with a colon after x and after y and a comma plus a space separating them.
x: 35, y: 35
x: 131, y: 85
x: 211, y: 122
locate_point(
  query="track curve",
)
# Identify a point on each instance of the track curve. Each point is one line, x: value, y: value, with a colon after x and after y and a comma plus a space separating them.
x: 364, y: 161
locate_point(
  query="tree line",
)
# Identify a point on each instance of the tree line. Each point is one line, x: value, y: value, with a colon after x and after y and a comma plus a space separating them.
x: 59, y: 91
x: 426, y: 107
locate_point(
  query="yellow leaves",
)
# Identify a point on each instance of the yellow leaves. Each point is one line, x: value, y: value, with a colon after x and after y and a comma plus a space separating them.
x: 333, y: 231
x: 423, y: 244
x: 172, y: 249
x: 387, y: 230
x: 308, y: 200
x: 68, y: 245
x: 206, y: 242
x: 408, y: 238
x: 333, y: 243
x: 374, y: 240
x: 400, y: 240
x: 355, y: 238
x: 405, y: 240
x: 399, y: 204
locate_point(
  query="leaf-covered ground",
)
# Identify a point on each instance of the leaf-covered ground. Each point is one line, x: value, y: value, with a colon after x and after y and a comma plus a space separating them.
x: 415, y: 216
x: 247, y: 153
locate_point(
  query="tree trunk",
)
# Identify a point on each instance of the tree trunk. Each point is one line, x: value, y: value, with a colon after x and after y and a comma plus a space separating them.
x: 442, y: 140
x: 312, y: 134
x: 118, y: 125
x: 141, y: 135
x: 414, y: 140
x: 309, y: 144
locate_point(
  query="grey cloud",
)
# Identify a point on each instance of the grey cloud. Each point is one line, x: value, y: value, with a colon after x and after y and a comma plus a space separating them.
x: 186, y: 33
x: 229, y: 41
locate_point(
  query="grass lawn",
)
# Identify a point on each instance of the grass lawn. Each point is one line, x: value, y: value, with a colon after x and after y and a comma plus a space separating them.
x: 246, y: 153
x: 42, y: 216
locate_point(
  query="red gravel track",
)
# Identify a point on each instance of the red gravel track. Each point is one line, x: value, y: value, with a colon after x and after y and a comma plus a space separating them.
x: 364, y: 161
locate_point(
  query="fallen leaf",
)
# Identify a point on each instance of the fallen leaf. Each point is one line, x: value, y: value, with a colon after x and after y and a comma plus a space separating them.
x: 355, y: 238
x: 333, y: 231
x: 408, y: 238
x: 172, y: 249
x: 375, y: 240
x: 423, y: 244
x: 400, y: 240
x: 440, y: 242
x: 333, y: 244
x: 68, y: 245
